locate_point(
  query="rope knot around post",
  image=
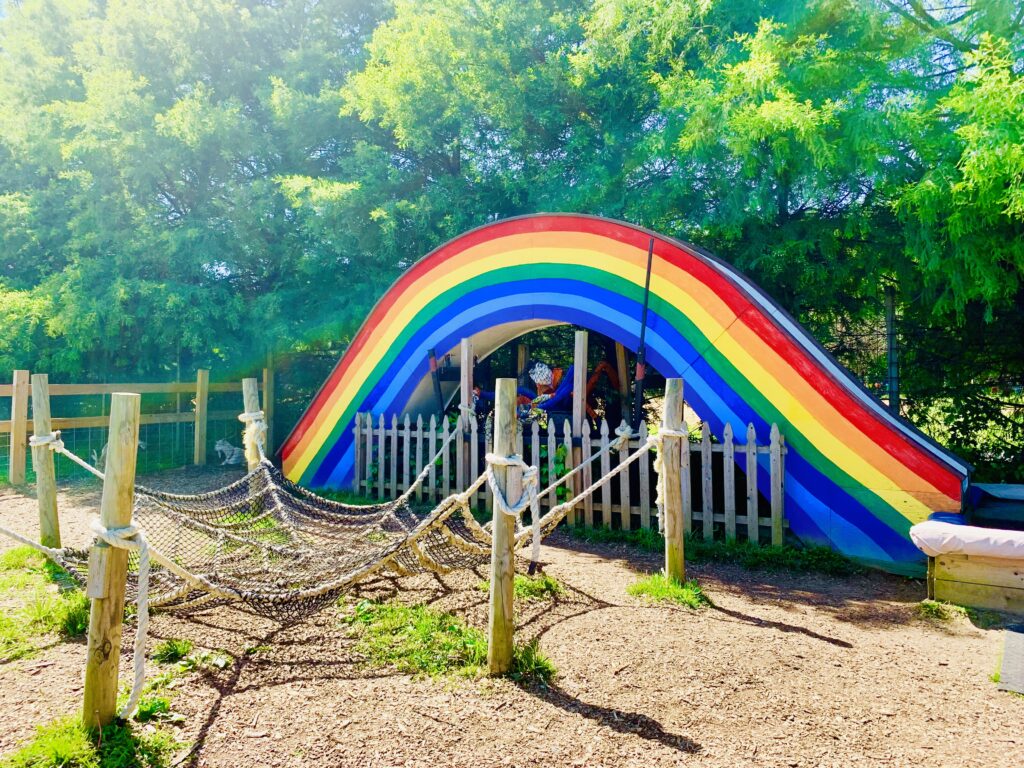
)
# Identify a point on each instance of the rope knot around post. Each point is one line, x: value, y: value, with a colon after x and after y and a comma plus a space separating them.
x: 255, y: 430
x: 51, y: 441
x: 131, y: 537
x: 624, y: 432
x: 657, y: 441
x: 530, y: 498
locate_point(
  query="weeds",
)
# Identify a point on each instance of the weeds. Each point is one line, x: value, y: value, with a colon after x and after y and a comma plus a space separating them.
x: 67, y: 744
x: 936, y: 610
x: 811, y: 559
x: 542, y: 587
x: 420, y: 641
x: 661, y: 588
x: 172, y: 650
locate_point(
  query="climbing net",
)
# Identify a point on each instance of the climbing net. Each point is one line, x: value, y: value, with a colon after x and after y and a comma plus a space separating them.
x: 285, y: 552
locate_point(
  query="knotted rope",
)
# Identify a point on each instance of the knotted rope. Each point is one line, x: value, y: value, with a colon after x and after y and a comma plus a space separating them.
x: 657, y: 440
x: 55, y: 444
x: 132, y: 537
x: 528, y: 499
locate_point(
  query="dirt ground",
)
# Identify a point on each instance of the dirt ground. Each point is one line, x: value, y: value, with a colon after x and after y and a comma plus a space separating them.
x: 784, y: 670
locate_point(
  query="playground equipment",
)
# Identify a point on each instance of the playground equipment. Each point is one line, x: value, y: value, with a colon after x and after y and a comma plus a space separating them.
x: 857, y: 477
x: 284, y: 552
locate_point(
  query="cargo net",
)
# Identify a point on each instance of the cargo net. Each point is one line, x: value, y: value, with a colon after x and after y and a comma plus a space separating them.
x: 285, y: 552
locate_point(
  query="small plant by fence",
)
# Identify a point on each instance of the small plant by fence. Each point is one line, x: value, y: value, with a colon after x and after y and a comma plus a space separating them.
x: 181, y: 424
x: 719, y: 479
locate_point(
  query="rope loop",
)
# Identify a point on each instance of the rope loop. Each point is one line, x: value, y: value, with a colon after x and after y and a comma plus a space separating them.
x: 530, y: 498
x: 51, y: 441
x: 657, y: 440
x: 621, y: 443
x: 256, y: 430
x: 132, y: 537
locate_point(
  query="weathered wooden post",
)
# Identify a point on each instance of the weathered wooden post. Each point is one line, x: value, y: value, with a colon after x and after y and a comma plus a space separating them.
x: 19, y: 427
x: 462, y: 469
x: 268, y: 402
x: 509, y: 482
x: 579, y: 410
x: 251, y: 403
x: 108, y: 566
x: 672, y: 510
x: 778, y: 489
x: 42, y: 462
x: 202, y: 398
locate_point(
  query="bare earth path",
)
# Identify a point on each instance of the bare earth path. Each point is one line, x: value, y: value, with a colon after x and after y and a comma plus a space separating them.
x: 783, y: 671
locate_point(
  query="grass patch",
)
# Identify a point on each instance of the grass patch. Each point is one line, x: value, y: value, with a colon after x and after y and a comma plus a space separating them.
x: 151, y: 707
x: 661, y: 588
x: 542, y: 587
x: 937, y: 610
x: 811, y: 559
x: 66, y: 744
x: 172, y: 650
x: 418, y: 640
x: 52, y: 602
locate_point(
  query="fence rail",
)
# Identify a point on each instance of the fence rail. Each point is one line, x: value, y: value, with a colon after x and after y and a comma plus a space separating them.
x: 194, y: 423
x: 719, y: 479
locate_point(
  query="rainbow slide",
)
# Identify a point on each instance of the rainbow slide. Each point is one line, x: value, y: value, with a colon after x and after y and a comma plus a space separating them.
x: 856, y: 477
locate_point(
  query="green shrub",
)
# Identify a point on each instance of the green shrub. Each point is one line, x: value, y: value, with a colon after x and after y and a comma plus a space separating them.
x: 530, y: 666
x: 540, y: 587
x: 66, y: 744
x: 152, y: 706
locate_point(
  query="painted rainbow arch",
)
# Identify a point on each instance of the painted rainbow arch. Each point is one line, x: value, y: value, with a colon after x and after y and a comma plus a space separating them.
x: 856, y: 477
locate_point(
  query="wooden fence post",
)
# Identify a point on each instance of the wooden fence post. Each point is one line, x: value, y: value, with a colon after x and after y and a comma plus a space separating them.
x: 462, y: 470
x: 19, y: 427
x: 501, y: 622
x: 108, y: 566
x: 579, y: 411
x: 672, y: 510
x: 706, y: 486
x: 753, y: 528
x: 729, y: 482
x: 357, y: 444
x: 42, y: 462
x: 251, y: 404
x: 202, y: 398
x: 268, y: 402
x: 777, y: 486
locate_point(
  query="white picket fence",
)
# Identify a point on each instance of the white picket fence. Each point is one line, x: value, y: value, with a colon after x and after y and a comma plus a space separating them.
x: 389, y: 457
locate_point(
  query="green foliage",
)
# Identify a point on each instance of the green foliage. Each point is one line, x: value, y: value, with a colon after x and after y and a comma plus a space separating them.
x: 171, y: 650
x: 153, y: 198
x: 66, y: 744
x: 418, y: 640
x: 936, y: 610
x: 151, y: 707
x: 25, y: 572
x: 660, y: 588
x: 541, y: 587
x: 810, y: 559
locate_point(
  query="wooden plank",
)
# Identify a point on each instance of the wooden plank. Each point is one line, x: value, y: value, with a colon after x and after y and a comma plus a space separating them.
x: 552, y: 452
x: 974, y: 569
x: 777, y: 486
x: 750, y: 449
x: 535, y: 445
x: 147, y: 388
x: 501, y: 618
x: 43, y: 464
x: 406, y: 451
x: 381, y: 456
x: 431, y: 453
x: 446, y: 483
x: 202, y: 401
x: 672, y: 515
x: 579, y: 413
x: 623, y: 371
x: 729, y: 483
x: 522, y: 357
x: 21, y: 387
x: 686, y: 481
x: 419, y: 454
x: 645, y: 480
x: 108, y: 566
x: 707, y: 524
x: 588, y: 503
x: 268, y: 402
x: 357, y: 443
x: 567, y: 442
x: 474, y: 456
x: 466, y: 362
x: 6, y: 390
x: 251, y: 404
x: 994, y: 598
x: 625, y: 516
x: 5, y: 426
x: 394, y: 456
x: 368, y: 436
x: 606, y: 467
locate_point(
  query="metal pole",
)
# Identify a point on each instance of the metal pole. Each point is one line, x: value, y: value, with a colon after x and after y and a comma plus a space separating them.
x: 432, y: 357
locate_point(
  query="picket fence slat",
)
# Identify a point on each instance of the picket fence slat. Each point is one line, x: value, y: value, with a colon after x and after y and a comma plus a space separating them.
x: 400, y: 458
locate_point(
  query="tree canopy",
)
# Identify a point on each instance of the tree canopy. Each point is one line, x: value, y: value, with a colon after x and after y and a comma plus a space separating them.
x: 200, y: 183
